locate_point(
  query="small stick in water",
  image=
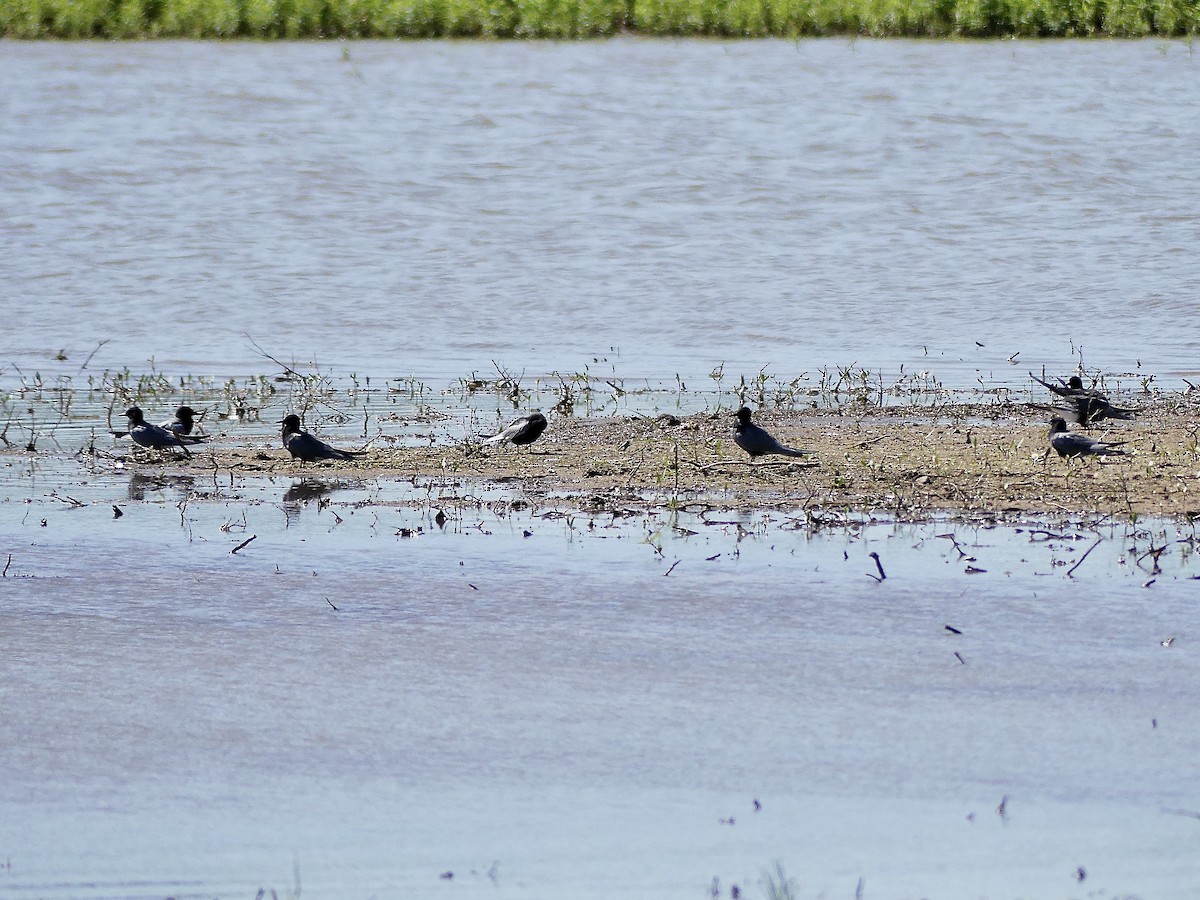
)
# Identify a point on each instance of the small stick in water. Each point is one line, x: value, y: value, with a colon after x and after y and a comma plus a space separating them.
x: 878, y: 565
x: 1071, y: 570
x: 243, y: 544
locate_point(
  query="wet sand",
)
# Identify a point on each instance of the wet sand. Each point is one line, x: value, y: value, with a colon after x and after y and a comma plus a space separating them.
x: 970, y: 461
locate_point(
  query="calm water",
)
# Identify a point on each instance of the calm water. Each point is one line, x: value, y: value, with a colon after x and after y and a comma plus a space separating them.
x: 555, y: 707
x: 643, y: 207
x: 578, y: 706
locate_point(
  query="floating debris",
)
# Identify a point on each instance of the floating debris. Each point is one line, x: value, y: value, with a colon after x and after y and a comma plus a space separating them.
x: 243, y: 544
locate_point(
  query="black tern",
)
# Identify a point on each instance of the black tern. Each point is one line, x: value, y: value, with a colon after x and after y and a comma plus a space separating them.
x: 184, y: 421
x: 757, y: 441
x: 524, y: 430
x: 1067, y: 444
x: 304, y: 446
x: 1085, y: 406
x: 153, y: 437
x: 183, y: 424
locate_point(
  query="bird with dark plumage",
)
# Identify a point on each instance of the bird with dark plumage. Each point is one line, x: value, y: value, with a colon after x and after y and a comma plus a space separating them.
x: 304, y: 446
x: 1066, y: 444
x: 152, y: 437
x: 183, y: 423
x: 758, y: 441
x: 1084, y: 404
x: 522, y: 431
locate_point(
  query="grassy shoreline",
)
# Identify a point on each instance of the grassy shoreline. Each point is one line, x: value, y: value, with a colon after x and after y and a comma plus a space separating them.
x: 573, y: 19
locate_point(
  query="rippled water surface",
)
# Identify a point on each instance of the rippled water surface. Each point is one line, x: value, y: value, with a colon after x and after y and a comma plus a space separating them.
x: 648, y: 207
x: 549, y: 703
x: 534, y: 700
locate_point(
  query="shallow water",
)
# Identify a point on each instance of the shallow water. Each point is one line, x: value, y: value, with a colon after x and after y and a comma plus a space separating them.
x: 644, y: 208
x: 578, y: 705
x: 543, y: 702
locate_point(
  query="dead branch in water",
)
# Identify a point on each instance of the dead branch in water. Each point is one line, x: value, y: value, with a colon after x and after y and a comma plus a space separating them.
x: 1071, y: 570
x: 243, y: 544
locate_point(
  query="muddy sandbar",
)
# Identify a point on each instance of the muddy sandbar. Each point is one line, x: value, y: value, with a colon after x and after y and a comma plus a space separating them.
x: 911, y: 463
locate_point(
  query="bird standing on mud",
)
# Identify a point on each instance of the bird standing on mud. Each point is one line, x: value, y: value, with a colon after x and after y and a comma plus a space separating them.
x: 153, y: 437
x: 1085, y: 406
x: 522, y: 431
x: 183, y: 423
x: 304, y: 446
x: 1066, y: 444
x: 758, y: 441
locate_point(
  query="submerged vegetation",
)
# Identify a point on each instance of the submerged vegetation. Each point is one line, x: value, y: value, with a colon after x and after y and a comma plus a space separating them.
x: 556, y: 19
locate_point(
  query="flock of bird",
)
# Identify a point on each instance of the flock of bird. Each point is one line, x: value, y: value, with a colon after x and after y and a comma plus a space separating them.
x: 175, y: 433
x: 1084, y: 405
x: 178, y: 434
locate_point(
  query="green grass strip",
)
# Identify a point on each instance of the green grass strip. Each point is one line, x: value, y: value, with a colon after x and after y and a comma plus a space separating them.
x: 273, y: 19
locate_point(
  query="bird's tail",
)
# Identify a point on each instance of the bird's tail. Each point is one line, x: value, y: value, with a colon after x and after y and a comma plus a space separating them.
x: 1113, y: 449
x: 1083, y: 414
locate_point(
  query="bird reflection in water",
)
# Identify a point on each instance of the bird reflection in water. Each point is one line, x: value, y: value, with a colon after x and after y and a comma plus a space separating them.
x: 302, y: 492
x: 140, y: 485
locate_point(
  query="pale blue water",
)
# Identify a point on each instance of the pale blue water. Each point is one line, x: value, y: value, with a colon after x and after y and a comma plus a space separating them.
x: 581, y: 711
x: 643, y: 208
x: 577, y: 702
